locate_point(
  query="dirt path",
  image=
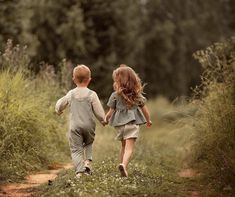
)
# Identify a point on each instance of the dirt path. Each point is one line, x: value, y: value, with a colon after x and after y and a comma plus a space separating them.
x: 189, y: 173
x: 31, y: 181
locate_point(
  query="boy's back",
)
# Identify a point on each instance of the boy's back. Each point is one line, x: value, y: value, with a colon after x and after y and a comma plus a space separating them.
x: 84, y: 104
x: 81, y: 111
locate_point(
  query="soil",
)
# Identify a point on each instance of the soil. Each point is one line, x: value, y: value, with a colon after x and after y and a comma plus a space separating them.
x: 189, y: 173
x: 27, y: 187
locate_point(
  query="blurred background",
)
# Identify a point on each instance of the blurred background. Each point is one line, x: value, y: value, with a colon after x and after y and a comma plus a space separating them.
x: 180, y: 48
x: 155, y: 37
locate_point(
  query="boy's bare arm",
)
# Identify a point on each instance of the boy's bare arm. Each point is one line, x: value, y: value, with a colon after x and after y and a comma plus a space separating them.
x: 146, y: 115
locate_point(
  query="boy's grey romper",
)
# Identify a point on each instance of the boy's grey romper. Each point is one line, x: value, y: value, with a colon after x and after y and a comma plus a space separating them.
x: 84, y: 107
x: 82, y: 130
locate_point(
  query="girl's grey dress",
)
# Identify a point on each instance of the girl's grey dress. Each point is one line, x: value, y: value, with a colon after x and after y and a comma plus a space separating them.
x: 123, y: 114
x: 125, y: 119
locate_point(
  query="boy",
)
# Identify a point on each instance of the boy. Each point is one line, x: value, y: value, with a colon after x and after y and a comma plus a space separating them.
x: 84, y: 104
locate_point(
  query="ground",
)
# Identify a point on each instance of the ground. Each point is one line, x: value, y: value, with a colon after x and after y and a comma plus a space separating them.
x: 158, y: 168
x: 160, y: 165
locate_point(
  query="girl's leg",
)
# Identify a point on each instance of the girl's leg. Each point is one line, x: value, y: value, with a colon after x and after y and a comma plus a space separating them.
x: 122, y: 150
x: 129, y: 146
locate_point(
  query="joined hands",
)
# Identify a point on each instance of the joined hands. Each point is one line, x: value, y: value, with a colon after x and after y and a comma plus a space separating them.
x: 149, y: 124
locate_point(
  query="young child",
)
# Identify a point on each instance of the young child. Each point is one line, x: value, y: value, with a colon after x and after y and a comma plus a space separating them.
x: 127, y: 111
x: 84, y: 104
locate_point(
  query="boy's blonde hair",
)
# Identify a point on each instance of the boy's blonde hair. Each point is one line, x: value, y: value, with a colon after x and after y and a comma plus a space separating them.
x: 81, y: 73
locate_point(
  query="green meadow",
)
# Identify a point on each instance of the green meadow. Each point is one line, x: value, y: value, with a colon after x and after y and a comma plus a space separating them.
x: 194, y: 133
x: 160, y: 153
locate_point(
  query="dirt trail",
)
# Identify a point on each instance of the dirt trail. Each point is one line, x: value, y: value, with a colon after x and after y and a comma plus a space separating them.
x: 189, y: 173
x: 31, y: 181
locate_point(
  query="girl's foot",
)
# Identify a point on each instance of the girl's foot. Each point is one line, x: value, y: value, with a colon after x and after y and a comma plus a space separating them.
x: 122, y: 170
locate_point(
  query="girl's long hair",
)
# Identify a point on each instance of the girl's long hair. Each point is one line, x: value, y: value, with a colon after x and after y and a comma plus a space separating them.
x: 128, y: 85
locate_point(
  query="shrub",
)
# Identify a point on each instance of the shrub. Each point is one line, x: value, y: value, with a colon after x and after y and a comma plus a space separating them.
x: 30, y: 133
x: 215, y: 120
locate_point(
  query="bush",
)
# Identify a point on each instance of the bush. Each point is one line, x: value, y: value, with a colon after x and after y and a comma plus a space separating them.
x: 215, y: 120
x: 30, y: 133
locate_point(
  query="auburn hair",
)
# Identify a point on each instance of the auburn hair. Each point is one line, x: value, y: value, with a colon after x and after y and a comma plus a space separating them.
x: 128, y: 85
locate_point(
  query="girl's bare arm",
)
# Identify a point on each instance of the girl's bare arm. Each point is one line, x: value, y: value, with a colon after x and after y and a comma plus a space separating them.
x: 109, y: 114
x: 146, y: 115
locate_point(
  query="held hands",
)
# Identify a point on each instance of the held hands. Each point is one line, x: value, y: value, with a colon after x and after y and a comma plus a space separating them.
x: 59, y: 112
x: 104, y: 123
x: 108, y: 116
x: 149, y: 124
x: 106, y: 120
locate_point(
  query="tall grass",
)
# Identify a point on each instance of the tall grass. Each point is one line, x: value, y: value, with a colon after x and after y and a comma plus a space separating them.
x: 30, y: 134
x: 215, y: 120
x: 159, y: 154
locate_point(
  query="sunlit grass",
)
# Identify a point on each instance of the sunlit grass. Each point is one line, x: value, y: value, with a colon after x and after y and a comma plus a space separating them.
x: 30, y: 134
x: 159, y: 154
x: 215, y: 120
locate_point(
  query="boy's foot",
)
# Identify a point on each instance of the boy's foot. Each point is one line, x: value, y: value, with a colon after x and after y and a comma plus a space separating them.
x: 87, y: 169
x: 122, y: 170
x: 79, y: 175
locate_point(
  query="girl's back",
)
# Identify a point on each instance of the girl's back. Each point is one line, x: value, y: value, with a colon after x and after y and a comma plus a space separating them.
x: 123, y: 113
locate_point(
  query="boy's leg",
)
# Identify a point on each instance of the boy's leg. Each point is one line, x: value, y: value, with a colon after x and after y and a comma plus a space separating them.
x: 88, y: 152
x: 77, y: 151
x: 122, y: 150
x: 129, y: 146
x: 88, y: 155
x: 88, y: 158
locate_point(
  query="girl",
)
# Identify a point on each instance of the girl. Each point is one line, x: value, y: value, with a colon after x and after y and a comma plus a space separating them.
x: 127, y: 111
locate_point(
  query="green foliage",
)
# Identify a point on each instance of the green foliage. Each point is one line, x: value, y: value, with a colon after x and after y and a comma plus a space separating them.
x: 10, y: 20
x: 177, y: 29
x: 30, y: 134
x: 53, y: 30
x: 14, y: 58
x: 155, y: 37
x: 215, y: 122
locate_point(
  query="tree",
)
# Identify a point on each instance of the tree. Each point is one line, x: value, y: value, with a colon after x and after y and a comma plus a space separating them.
x: 172, y: 31
x: 55, y: 30
x: 10, y: 21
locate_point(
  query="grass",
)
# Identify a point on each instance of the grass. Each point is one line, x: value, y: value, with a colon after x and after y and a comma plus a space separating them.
x: 202, y: 130
x: 159, y: 154
x: 31, y: 135
x: 215, y: 120
x: 29, y: 129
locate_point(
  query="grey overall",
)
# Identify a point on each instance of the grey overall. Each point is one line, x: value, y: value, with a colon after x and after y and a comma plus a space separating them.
x: 82, y: 130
